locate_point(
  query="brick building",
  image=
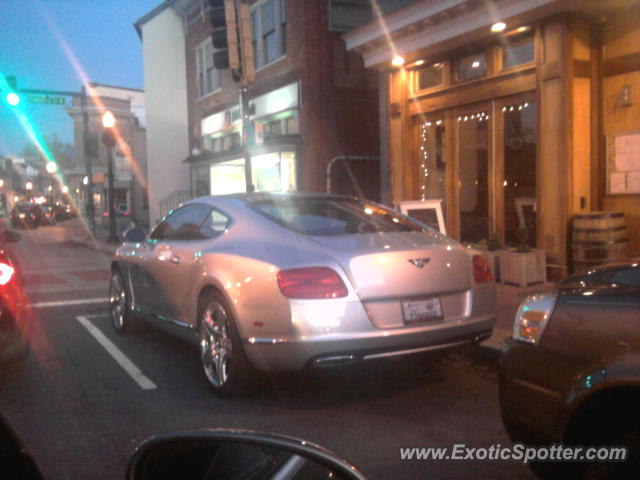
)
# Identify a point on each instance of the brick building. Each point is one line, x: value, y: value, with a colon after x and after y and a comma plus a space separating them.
x: 311, y: 102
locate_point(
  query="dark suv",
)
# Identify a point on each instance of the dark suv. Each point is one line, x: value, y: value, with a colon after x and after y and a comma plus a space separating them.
x: 571, y: 372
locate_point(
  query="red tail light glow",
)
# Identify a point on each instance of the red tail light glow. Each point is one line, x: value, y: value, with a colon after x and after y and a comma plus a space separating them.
x: 481, y: 269
x: 311, y: 282
x: 6, y: 273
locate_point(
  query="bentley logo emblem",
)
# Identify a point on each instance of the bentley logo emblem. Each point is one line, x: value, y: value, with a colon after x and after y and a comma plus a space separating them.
x: 419, y: 262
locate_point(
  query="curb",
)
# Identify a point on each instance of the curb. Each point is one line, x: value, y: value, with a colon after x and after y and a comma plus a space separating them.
x: 95, y: 245
x: 492, y: 347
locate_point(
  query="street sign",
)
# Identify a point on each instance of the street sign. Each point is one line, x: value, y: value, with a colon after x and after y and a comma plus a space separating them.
x: 46, y: 100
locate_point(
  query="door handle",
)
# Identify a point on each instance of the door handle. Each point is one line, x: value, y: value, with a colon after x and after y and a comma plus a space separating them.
x: 175, y: 260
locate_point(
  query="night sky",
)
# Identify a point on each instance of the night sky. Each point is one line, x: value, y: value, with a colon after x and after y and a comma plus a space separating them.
x: 99, y: 34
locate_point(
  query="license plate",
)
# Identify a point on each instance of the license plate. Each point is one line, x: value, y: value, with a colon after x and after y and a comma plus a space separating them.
x: 22, y: 215
x: 423, y: 310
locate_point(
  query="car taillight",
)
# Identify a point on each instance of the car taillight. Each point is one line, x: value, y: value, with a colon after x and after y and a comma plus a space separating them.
x: 6, y: 273
x: 311, y: 282
x: 481, y: 269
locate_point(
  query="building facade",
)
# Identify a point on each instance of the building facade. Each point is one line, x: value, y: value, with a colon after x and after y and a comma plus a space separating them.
x: 312, y: 108
x: 524, y: 114
x: 129, y: 156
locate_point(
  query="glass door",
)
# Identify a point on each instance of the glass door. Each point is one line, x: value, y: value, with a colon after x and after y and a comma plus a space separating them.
x: 517, y: 137
x: 473, y: 149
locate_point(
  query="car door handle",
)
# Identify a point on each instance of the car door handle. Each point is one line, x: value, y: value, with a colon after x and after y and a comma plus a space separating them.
x: 175, y: 260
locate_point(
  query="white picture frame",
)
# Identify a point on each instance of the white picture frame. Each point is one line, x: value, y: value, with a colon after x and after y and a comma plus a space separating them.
x: 432, y: 205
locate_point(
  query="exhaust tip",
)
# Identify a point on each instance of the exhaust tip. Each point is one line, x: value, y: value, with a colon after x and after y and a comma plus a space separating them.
x: 334, y: 360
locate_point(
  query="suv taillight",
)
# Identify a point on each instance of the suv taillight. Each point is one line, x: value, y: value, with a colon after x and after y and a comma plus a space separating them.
x: 6, y: 273
x: 481, y: 270
x: 311, y: 282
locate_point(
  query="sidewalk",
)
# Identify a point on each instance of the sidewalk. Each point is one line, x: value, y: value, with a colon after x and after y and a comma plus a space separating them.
x: 99, y: 243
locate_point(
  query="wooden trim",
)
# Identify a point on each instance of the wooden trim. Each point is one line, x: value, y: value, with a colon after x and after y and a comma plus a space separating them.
x: 622, y: 64
x: 496, y: 173
x: 488, y: 90
x: 550, y: 70
x: 597, y: 122
x: 581, y: 68
x: 567, y: 147
x: 452, y: 179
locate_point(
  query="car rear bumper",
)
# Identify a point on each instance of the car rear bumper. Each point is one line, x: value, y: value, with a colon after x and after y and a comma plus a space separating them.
x: 530, y: 411
x: 281, y: 353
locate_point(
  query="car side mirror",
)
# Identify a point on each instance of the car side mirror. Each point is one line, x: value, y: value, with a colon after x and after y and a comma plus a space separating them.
x: 235, y: 454
x: 9, y: 236
x: 134, y: 235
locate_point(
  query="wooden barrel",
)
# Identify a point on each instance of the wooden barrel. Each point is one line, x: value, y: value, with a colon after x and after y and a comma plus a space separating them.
x: 598, y: 237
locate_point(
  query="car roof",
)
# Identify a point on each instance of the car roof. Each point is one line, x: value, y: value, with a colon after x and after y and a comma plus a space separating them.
x: 256, y: 197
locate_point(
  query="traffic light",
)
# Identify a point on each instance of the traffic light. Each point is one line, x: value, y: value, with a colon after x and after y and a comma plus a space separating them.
x: 225, y: 36
x: 9, y: 94
x: 12, y: 99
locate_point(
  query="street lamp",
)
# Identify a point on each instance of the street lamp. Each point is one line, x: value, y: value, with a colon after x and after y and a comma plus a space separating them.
x: 28, y: 186
x: 109, y: 140
x: 52, y: 168
x: 65, y: 189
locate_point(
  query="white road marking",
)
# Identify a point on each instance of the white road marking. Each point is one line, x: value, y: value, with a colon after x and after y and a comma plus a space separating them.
x: 129, y: 367
x: 64, y: 303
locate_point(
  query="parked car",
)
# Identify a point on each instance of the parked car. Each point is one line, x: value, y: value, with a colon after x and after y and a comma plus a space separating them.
x: 26, y: 215
x: 571, y: 372
x: 13, y: 303
x: 68, y: 210
x: 286, y: 281
x: 52, y: 214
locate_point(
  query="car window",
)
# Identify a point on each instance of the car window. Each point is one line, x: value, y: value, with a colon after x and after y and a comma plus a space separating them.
x: 629, y: 277
x: 334, y: 216
x: 183, y: 224
x: 621, y: 276
x: 214, y: 224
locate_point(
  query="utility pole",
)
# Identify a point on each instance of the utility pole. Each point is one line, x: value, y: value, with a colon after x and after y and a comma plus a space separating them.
x: 109, y: 140
x: 232, y: 39
x: 87, y: 159
x: 247, y: 77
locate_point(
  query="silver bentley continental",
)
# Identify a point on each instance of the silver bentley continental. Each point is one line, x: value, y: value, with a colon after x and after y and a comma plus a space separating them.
x: 281, y: 282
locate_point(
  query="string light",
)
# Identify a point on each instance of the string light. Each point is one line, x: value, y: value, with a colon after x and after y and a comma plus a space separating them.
x: 519, y: 107
x: 425, y: 156
x: 477, y: 116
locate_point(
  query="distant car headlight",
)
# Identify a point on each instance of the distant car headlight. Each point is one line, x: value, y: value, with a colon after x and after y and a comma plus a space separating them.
x: 532, y: 317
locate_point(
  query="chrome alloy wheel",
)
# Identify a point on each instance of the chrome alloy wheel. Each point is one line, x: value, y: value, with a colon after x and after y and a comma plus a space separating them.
x: 215, y: 344
x: 117, y: 301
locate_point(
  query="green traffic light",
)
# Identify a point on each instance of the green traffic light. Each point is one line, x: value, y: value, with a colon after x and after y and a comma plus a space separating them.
x: 13, y: 99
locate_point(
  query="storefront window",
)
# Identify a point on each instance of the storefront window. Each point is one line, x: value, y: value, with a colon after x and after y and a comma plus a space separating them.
x: 271, y: 172
x: 432, y: 164
x: 293, y: 127
x: 200, y: 179
x: 518, y: 52
x: 474, y: 172
x: 471, y: 67
x: 520, y: 171
x: 274, y: 172
x: 228, y: 177
x: 429, y: 77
